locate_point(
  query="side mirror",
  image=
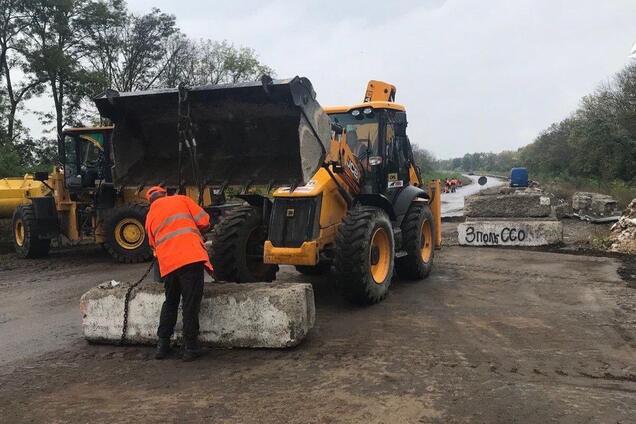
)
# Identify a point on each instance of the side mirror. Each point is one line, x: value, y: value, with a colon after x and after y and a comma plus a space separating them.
x: 41, y: 176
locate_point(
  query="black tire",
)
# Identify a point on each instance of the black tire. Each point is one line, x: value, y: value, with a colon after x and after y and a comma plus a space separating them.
x: 236, y: 248
x: 413, y: 266
x: 321, y: 269
x: 353, y: 261
x: 26, y: 240
x: 123, y: 250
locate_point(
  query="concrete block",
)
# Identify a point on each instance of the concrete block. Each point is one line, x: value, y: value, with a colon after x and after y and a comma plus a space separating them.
x: 595, y: 205
x: 509, y: 232
x: 256, y: 315
x: 518, y: 204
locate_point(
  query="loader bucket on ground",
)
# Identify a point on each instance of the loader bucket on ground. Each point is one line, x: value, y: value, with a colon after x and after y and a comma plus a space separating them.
x: 257, y: 133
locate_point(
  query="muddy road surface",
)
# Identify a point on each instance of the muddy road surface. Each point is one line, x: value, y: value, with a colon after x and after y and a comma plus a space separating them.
x: 453, y: 203
x: 492, y: 335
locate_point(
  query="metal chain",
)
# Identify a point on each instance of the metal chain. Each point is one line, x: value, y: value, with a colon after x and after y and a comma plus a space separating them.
x: 124, y: 329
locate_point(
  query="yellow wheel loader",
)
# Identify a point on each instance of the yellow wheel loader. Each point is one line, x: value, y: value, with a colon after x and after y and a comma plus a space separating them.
x: 346, y: 190
x: 79, y: 202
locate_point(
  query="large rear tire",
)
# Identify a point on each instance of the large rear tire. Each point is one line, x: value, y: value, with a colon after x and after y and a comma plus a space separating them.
x: 125, y: 237
x: 26, y: 239
x: 364, y: 255
x: 236, y: 248
x: 418, y: 228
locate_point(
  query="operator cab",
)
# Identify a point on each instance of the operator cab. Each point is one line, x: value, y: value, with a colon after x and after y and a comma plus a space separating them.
x: 85, y: 157
x: 376, y: 134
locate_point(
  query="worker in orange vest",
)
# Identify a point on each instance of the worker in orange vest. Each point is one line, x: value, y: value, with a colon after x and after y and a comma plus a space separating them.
x: 174, y: 225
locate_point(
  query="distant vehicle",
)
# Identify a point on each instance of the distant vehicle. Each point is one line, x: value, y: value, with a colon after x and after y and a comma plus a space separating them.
x: 471, y: 173
x: 519, y: 177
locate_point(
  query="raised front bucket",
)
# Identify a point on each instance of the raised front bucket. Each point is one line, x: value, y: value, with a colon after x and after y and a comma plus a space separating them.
x: 273, y: 133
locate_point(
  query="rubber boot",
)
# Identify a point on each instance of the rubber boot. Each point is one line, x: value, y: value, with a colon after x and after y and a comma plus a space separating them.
x: 163, y: 348
x: 192, y: 350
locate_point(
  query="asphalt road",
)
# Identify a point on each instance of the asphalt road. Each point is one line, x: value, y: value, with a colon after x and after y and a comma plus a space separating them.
x: 493, y: 335
x: 453, y: 203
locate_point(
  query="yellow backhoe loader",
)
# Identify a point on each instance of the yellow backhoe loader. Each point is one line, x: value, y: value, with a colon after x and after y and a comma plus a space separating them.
x: 365, y: 211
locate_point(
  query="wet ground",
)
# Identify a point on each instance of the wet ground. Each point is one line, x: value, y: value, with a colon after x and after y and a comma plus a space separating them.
x: 453, y: 203
x: 493, y: 335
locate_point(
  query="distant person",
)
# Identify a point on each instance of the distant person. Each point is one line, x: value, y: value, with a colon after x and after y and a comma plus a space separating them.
x: 174, y: 226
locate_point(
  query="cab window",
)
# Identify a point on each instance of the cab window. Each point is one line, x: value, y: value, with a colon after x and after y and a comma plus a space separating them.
x: 84, y: 159
x: 362, y: 131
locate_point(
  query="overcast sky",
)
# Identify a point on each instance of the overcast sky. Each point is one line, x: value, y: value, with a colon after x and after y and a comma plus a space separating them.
x: 474, y: 75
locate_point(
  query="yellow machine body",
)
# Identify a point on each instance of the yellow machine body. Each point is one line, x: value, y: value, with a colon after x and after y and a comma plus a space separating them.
x: 16, y: 191
x: 331, y: 213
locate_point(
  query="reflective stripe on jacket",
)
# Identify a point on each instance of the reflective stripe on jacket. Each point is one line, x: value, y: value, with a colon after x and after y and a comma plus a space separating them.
x: 174, y: 225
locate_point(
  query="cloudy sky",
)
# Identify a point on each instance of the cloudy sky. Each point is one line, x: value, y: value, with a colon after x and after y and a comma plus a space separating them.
x: 475, y: 75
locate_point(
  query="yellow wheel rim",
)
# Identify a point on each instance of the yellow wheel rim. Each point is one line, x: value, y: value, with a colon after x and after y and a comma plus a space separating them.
x: 129, y: 233
x: 19, y: 232
x: 380, y: 255
x: 426, y: 249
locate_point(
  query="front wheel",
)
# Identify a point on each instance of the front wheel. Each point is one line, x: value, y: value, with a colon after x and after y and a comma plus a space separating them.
x: 236, y: 248
x: 364, y: 255
x: 26, y: 240
x: 125, y: 236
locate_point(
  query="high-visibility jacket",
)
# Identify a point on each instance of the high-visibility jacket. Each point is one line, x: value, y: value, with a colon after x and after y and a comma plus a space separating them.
x: 173, y: 226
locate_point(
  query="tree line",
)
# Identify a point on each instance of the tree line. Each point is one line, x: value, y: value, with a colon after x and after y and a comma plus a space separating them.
x: 597, y: 142
x: 68, y: 51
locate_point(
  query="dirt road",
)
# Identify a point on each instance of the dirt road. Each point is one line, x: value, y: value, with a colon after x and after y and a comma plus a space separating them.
x: 492, y: 336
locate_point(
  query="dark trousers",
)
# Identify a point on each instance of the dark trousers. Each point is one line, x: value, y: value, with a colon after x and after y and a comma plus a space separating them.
x: 187, y: 283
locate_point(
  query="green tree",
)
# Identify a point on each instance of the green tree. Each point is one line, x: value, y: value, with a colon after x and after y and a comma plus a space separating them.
x: 134, y: 52
x: 13, y: 23
x: 212, y: 62
x: 57, y: 45
x: 424, y: 159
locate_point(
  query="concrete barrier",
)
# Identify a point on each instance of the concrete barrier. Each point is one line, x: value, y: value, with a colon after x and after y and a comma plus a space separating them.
x: 514, y: 204
x: 256, y: 315
x: 510, y: 232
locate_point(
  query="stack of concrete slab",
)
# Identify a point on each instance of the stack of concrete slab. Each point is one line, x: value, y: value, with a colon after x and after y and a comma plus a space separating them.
x: 508, y: 202
x: 595, y: 207
x: 505, y: 216
x: 256, y: 315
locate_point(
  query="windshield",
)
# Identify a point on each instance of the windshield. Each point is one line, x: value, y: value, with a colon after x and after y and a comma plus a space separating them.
x: 362, y: 131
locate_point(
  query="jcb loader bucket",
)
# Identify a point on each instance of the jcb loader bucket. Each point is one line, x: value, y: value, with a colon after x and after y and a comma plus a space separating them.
x: 273, y: 132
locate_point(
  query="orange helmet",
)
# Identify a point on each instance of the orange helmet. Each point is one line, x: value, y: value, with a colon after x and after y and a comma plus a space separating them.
x: 155, y: 192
